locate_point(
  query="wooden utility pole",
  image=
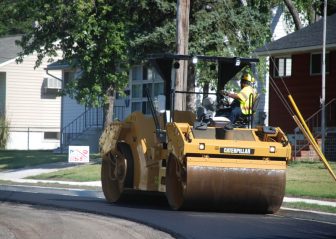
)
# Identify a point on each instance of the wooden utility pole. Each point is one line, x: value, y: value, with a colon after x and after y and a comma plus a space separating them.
x: 182, y: 38
x: 323, y: 124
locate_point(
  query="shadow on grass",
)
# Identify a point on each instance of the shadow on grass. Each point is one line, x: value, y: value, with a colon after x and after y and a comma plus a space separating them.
x: 14, y: 159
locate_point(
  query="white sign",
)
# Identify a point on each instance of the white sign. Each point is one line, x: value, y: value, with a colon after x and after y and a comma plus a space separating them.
x: 79, y: 154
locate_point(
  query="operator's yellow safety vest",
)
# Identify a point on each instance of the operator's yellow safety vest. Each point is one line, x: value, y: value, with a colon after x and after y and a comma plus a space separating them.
x: 244, y: 96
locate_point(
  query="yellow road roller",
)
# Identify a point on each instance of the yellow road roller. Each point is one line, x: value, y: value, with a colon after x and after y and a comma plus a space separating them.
x: 198, y: 164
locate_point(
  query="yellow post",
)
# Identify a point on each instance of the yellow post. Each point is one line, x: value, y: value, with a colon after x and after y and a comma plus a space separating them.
x: 305, y: 130
x: 303, y: 122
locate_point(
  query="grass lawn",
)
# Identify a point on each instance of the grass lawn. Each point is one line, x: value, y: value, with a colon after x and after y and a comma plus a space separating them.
x: 13, y: 159
x: 310, y: 179
x: 82, y: 173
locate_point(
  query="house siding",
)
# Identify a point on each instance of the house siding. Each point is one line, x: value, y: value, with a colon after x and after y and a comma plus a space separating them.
x: 28, y: 107
x: 71, y: 110
x: 306, y: 90
x: 2, y: 93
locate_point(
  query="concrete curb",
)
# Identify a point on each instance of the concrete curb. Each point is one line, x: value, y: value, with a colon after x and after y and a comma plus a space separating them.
x: 310, y: 201
x: 36, y: 181
x: 308, y: 215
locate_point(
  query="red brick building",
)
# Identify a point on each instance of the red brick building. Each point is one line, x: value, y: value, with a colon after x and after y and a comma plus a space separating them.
x: 296, y: 61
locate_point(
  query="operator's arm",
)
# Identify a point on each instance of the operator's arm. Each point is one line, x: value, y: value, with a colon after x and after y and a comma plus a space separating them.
x: 232, y: 95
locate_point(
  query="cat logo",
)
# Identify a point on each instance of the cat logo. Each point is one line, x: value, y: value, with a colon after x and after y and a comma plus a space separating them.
x: 236, y: 151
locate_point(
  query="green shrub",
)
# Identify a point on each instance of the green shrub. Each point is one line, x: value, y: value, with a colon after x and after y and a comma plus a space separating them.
x: 4, y: 131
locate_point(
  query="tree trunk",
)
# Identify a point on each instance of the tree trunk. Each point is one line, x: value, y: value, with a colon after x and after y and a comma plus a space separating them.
x: 311, y: 15
x: 108, y: 108
x: 295, y: 14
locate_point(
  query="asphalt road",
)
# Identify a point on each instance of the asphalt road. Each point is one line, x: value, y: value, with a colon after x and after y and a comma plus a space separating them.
x: 19, y: 221
x: 154, y: 211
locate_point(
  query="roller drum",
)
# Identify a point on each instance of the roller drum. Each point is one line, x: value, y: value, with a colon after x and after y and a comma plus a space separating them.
x: 222, y: 188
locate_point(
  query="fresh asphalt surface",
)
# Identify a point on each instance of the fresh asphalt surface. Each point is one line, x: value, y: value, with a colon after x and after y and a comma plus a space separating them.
x: 154, y: 211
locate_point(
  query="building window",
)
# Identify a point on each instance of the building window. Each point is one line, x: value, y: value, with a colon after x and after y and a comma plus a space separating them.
x: 316, y: 63
x: 149, y: 88
x: 283, y: 67
x: 158, y: 89
x: 142, y: 78
x: 137, y: 73
x: 51, y: 135
x: 146, y: 108
x: 136, y: 106
x: 137, y: 91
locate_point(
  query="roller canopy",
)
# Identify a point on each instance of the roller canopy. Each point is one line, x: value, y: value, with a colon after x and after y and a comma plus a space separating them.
x: 228, y: 67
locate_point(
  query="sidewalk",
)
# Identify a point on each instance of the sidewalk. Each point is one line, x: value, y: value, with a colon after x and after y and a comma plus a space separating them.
x: 19, y: 175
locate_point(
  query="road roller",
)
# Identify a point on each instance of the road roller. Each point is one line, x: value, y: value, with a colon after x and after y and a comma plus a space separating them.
x: 197, y: 162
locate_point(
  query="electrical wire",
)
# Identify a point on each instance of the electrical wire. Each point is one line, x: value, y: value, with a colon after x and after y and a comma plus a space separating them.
x: 272, y: 81
x: 281, y: 96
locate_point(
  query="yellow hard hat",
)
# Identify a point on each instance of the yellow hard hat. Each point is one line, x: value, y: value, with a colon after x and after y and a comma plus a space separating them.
x: 247, y: 77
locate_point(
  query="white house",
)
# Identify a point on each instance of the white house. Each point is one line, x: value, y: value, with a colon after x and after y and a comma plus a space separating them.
x: 80, y: 124
x: 28, y: 100
x: 38, y: 117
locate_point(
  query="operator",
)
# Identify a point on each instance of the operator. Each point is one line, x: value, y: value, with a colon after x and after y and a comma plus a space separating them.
x: 241, y: 103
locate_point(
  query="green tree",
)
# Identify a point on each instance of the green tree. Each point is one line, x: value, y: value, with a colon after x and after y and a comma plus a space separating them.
x: 300, y: 12
x: 227, y: 28
x: 224, y: 28
x: 102, y: 36
x: 92, y: 37
x: 152, y: 27
x: 14, y: 19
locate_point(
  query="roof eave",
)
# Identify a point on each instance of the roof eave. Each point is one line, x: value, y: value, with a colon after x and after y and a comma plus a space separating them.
x: 7, y: 62
x: 294, y: 50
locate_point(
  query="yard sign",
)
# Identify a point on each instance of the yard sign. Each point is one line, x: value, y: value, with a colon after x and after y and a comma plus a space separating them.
x: 79, y: 154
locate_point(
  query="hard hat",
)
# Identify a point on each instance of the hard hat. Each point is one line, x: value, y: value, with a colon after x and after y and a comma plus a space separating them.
x: 247, y: 77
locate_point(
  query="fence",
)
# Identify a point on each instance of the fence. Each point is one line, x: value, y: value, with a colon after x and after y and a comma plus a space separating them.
x: 48, y: 138
x: 33, y: 138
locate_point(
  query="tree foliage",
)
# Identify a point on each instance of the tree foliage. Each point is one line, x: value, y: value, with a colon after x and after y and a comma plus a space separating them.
x: 13, y: 18
x: 224, y: 28
x: 103, y: 36
x: 227, y: 28
x: 92, y: 37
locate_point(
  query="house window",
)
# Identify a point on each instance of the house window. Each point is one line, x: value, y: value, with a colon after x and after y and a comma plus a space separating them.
x: 149, y: 88
x: 51, y: 135
x: 146, y: 108
x: 283, y: 67
x: 142, y: 78
x: 136, y: 91
x: 136, y: 106
x: 144, y: 73
x: 316, y: 63
x: 158, y: 89
x: 137, y: 73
